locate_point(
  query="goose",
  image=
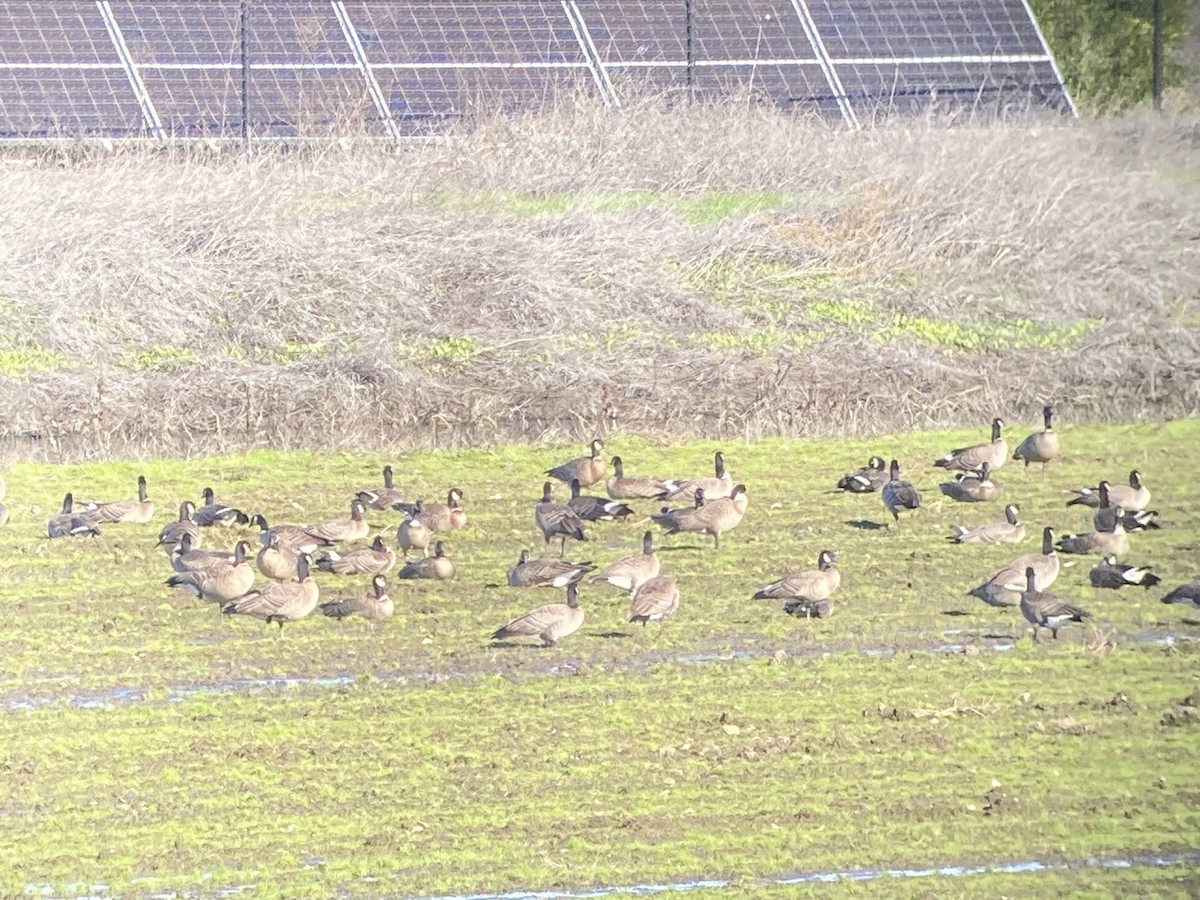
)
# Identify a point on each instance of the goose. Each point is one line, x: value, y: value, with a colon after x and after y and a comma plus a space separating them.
x: 814, y: 585
x: 384, y: 498
x: 276, y: 560
x: 898, y: 494
x: 628, y: 573
x: 185, y: 559
x: 1135, y: 496
x: 1115, y: 542
x: 438, y: 566
x: 715, y: 518
x: 1185, y: 593
x: 1105, y: 517
x: 557, y: 520
x: 1108, y: 573
x: 551, y: 622
x: 373, y: 560
x: 214, y: 513
x: 869, y: 478
x: 596, y: 509
x: 654, y: 600
x: 1010, y: 531
x: 173, y: 532
x: 588, y: 469
x: 1040, y: 446
x: 633, y: 487
x: 448, y: 516
x: 348, y: 528
x: 973, y: 488
x: 220, y: 581
x: 138, y: 512
x: 280, y: 602
x: 969, y: 459
x: 294, y: 537
x: 546, y: 572
x: 1003, y: 587
x: 374, y: 607
x: 70, y: 524
x: 810, y: 609
x: 1044, y: 610
x: 715, y: 486
x: 413, y: 533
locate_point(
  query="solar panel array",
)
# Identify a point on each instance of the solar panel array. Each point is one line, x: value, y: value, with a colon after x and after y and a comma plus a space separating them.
x: 281, y: 68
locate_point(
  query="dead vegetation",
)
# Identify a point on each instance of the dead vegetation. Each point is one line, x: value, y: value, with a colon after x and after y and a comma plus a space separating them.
x: 550, y: 278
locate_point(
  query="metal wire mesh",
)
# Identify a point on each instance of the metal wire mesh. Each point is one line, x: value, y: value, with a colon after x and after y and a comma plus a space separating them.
x: 176, y: 68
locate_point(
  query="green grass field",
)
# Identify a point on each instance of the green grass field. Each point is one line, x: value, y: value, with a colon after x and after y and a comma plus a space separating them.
x: 152, y: 745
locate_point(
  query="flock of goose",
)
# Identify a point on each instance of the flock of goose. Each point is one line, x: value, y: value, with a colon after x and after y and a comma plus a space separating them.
x: 713, y: 505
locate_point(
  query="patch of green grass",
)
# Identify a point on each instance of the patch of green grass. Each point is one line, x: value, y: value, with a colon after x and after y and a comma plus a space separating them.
x: 445, y: 349
x: 850, y: 313
x: 1013, y: 334
x: 295, y: 350
x: 164, y: 358
x: 736, y: 741
x: 17, y: 362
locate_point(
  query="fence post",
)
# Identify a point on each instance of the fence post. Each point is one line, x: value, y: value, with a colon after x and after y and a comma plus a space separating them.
x: 244, y: 28
x: 690, y: 43
x: 1156, y: 55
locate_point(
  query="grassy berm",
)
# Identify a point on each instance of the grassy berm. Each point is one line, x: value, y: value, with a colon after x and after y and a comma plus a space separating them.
x: 150, y: 745
x: 715, y: 272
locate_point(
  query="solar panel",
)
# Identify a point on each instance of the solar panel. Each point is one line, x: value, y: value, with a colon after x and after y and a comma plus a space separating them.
x: 175, y: 67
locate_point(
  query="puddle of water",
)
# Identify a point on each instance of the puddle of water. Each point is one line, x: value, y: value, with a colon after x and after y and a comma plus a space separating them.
x: 104, y: 698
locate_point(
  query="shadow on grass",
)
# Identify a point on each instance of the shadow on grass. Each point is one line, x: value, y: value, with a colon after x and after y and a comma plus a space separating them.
x: 867, y: 525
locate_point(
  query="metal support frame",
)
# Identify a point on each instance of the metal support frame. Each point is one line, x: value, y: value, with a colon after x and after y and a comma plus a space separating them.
x: 364, y: 66
x: 244, y: 30
x: 1156, y: 54
x: 595, y: 63
x: 826, y: 62
x: 145, y: 103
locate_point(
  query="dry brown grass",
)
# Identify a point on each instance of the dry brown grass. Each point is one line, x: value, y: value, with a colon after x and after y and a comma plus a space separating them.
x: 311, y: 283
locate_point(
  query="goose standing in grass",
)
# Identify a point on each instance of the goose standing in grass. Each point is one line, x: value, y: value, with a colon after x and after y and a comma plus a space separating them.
x: 137, y: 512
x: 1105, y: 517
x: 715, y: 518
x: 375, y: 607
x: 448, y: 516
x: 373, y: 560
x: 1115, y: 542
x: 551, y: 622
x: 715, y: 486
x: 1185, y: 593
x: 438, y: 566
x: 1010, y: 531
x: 967, y: 488
x: 1004, y: 586
x: 173, y: 532
x: 628, y: 573
x: 586, y: 469
x: 1040, y: 446
x: 546, y: 572
x: 633, y: 487
x: 557, y: 520
x: 381, y: 498
x: 1108, y: 573
x: 219, y: 581
x: 868, y: 479
x: 898, y: 494
x: 413, y: 533
x: 294, y: 537
x: 280, y: 602
x: 971, y: 459
x: 596, y: 509
x: 186, y: 559
x: 276, y: 560
x: 1044, y: 610
x: 654, y: 601
x: 68, y: 524
x: 213, y: 513
x: 811, y: 588
x: 348, y: 528
x: 1135, y: 496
